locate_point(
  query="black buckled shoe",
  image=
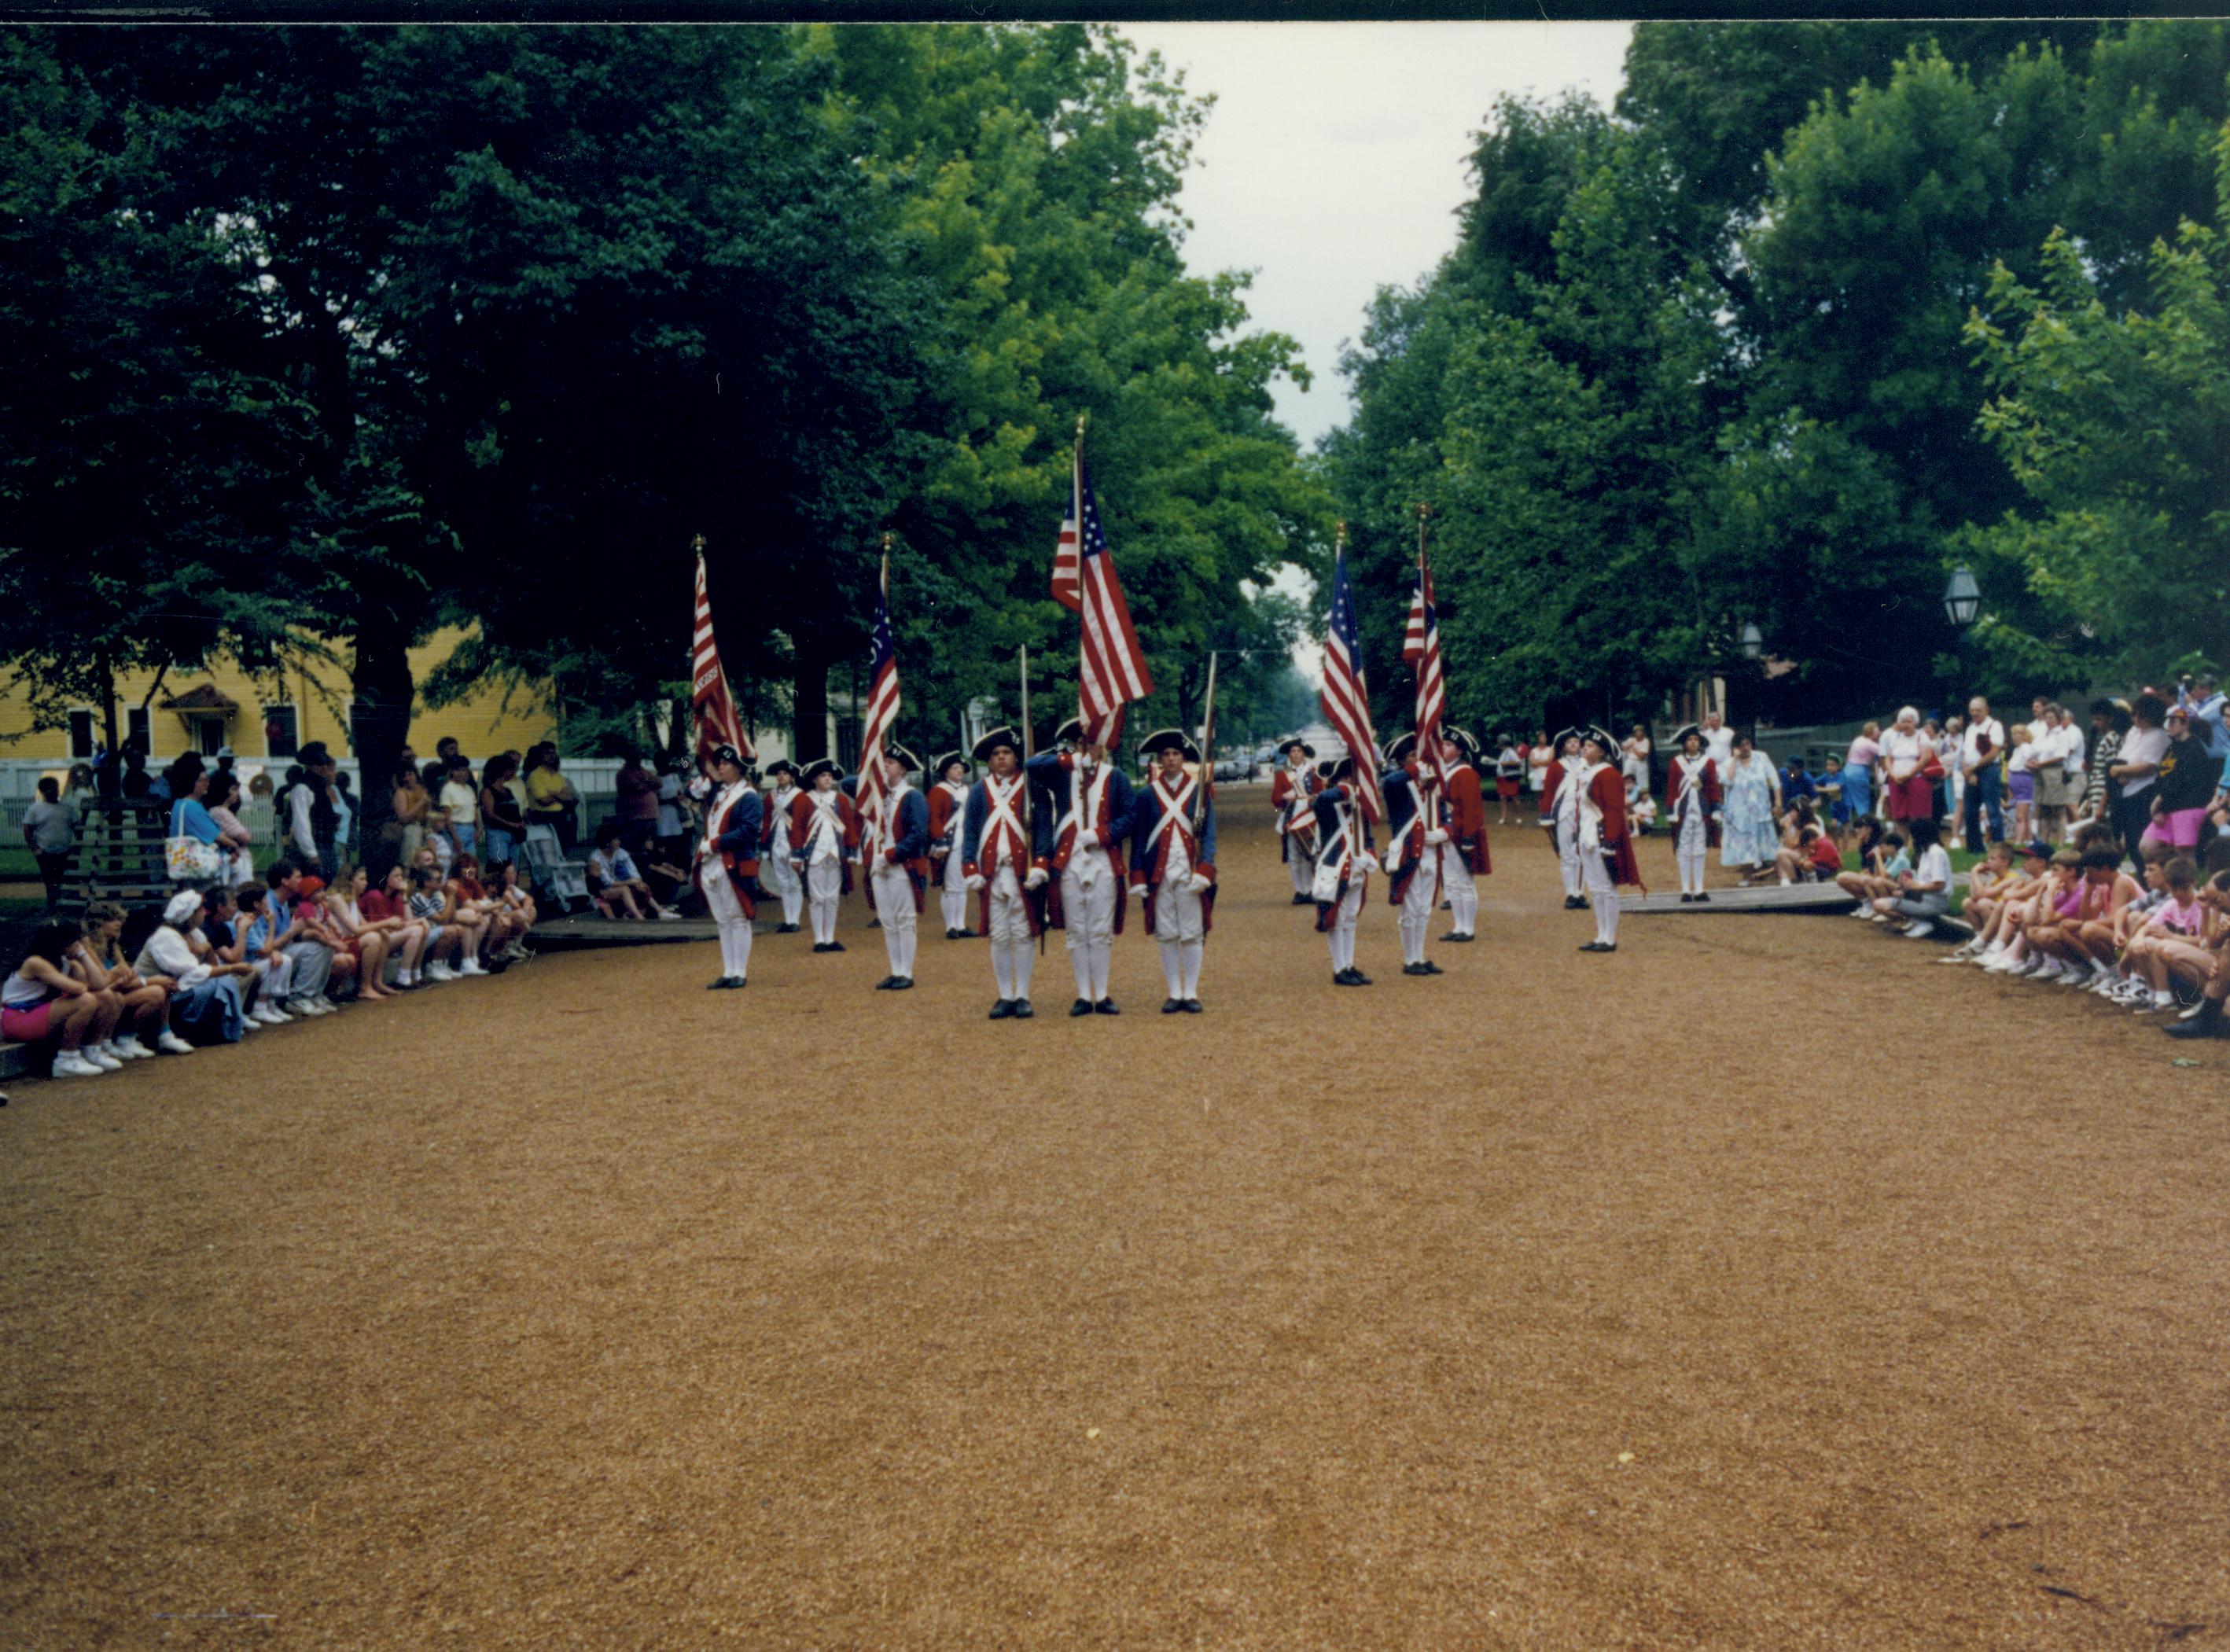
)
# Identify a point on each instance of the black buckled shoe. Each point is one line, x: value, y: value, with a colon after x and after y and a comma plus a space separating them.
x: 1193, y: 1006
x: 886, y: 983
x: 1003, y: 1009
x: 1022, y: 1010
x: 1172, y: 1006
x: 786, y: 929
x: 835, y: 946
x: 1576, y: 903
x: 1304, y: 900
x: 902, y: 983
x: 1081, y: 1007
x: 1432, y: 968
x: 1105, y: 1007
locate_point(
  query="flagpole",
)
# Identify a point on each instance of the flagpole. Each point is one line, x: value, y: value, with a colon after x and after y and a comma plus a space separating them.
x: 1029, y: 751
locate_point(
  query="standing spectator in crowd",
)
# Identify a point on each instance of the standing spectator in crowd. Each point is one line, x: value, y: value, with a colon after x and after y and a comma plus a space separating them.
x: 189, y: 818
x: 1923, y: 893
x: 344, y: 812
x: 1796, y: 783
x: 50, y: 828
x: 460, y: 799
x: 235, y: 844
x: 2136, y: 770
x: 1858, y: 764
x: 2021, y: 782
x: 133, y: 783
x: 1538, y: 757
x: 2201, y: 695
x: 41, y: 1004
x: 502, y: 819
x: 312, y: 822
x: 411, y: 804
x: 550, y: 799
x: 80, y: 789
x: 1509, y: 774
x: 1718, y: 741
x: 2048, y: 771
x: 205, y: 998
x: 1908, y: 792
x: 673, y: 812
x: 2186, y: 784
x: 98, y: 960
x: 636, y: 808
x: 2110, y: 725
x: 1827, y: 795
x: 1955, y: 780
x: 1981, y: 748
x: 1747, y: 840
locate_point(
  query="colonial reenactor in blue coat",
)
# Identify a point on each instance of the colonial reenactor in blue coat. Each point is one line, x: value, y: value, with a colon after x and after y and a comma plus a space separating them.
x: 1345, y: 855
x: 1414, y: 837
x: 1093, y: 803
x: 1292, y: 794
x: 1173, y: 863
x: 1006, y: 845
x: 896, y: 846
x: 728, y: 861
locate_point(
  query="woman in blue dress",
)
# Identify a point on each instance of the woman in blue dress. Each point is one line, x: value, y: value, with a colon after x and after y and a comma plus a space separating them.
x: 1748, y: 834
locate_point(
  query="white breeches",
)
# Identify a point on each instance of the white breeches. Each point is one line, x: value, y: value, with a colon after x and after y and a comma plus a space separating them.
x: 952, y: 891
x: 1177, y: 927
x: 728, y: 913
x: 1690, y: 849
x: 1302, y: 860
x: 824, y: 887
x: 1417, y: 903
x: 893, y: 891
x: 1014, y: 955
x: 782, y: 878
x: 1457, y: 883
x: 1341, y: 935
x: 1568, y: 855
x: 1090, y: 916
x: 1602, y: 894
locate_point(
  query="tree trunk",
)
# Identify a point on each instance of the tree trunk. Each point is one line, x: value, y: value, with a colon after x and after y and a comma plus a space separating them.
x: 108, y: 779
x: 808, y: 725
x: 379, y: 717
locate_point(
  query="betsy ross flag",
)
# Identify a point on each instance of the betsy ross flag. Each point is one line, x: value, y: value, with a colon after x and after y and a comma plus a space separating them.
x: 1421, y: 647
x: 1111, y: 667
x: 717, y: 722
x: 882, y: 711
x: 1346, y: 701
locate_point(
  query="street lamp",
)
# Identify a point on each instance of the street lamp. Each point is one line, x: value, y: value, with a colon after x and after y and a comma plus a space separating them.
x: 1753, y: 641
x: 1963, y: 597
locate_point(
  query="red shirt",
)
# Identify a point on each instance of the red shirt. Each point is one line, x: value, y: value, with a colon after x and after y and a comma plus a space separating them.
x: 1825, y: 855
x: 375, y: 907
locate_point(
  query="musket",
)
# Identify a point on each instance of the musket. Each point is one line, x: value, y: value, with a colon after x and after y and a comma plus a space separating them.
x: 1029, y: 830
x: 1207, y: 755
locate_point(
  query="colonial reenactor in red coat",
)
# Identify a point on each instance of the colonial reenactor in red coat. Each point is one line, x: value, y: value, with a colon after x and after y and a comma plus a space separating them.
x: 1292, y: 794
x: 1415, y: 837
x: 727, y: 860
x: 1344, y: 859
x: 824, y: 841
x: 1093, y: 799
x: 1591, y: 796
x: 1006, y: 844
x: 1464, y: 856
x: 899, y: 877
x: 1692, y: 800
x: 948, y: 801
x: 1567, y: 748
x: 1173, y: 863
x: 774, y: 844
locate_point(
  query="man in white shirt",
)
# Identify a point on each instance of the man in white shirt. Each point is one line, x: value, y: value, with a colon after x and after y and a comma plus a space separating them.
x: 2202, y: 697
x: 1718, y: 742
x: 1981, y: 750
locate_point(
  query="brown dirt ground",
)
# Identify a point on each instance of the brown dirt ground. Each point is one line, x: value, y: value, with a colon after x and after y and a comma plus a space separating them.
x: 619, y: 1313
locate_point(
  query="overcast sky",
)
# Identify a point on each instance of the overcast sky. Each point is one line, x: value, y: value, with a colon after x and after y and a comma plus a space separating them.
x: 1334, y: 158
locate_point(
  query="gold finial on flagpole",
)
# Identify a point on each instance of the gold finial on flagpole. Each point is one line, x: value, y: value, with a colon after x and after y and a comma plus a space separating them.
x: 698, y: 545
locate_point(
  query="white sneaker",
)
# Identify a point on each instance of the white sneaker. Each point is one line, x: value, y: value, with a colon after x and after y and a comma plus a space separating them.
x: 472, y: 967
x: 1919, y: 929
x: 440, y: 972
x: 131, y: 1048
x: 248, y: 1023
x: 1862, y: 912
x: 100, y: 1059
x: 171, y: 1043
x: 310, y: 1007
x: 666, y: 914
x: 69, y: 1064
x: 268, y: 1016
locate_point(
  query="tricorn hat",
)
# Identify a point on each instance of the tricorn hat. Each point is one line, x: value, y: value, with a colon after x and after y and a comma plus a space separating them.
x: 1573, y: 733
x: 818, y: 767
x: 727, y: 754
x: 944, y: 761
x: 1404, y: 748
x: 1680, y: 738
x: 994, y: 739
x: 1600, y: 736
x: 1462, y: 739
x: 1336, y: 770
x: 1070, y: 733
x: 894, y: 750
x: 1167, y: 740
x: 1307, y: 751
x: 783, y: 766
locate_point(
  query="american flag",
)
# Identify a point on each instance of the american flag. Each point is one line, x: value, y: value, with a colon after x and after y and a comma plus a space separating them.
x: 1111, y: 667
x: 717, y: 722
x: 1346, y: 701
x: 875, y: 726
x: 1421, y: 647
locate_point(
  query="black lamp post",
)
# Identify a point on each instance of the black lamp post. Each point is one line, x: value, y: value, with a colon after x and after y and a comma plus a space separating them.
x: 1963, y: 605
x: 1753, y: 650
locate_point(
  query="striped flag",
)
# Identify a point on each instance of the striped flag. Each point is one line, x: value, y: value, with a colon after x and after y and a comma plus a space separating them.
x: 1111, y: 667
x: 1421, y: 647
x: 1346, y: 700
x: 717, y: 722
x: 875, y: 726
x: 1066, y: 589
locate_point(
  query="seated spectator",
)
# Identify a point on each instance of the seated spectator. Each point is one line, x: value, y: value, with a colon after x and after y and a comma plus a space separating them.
x: 41, y: 1004
x: 515, y: 898
x: 390, y: 905
x: 440, y: 842
x: 257, y: 928
x: 2049, y: 931
x: 368, y: 938
x: 450, y: 931
x: 143, y: 1009
x: 1885, y: 864
x: 1640, y: 807
x: 301, y: 939
x: 50, y: 827
x: 2163, y: 934
x: 2108, y: 892
x: 1923, y: 895
x: 235, y: 844
x: 1987, y: 886
x: 1827, y: 858
x: 1792, y: 862
x: 2205, y: 1019
x: 613, y: 883
x: 205, y: 998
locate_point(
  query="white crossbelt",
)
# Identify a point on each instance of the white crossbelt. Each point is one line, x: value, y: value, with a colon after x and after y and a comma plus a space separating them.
x: 1172, y: 808
x: 1001, y: 818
